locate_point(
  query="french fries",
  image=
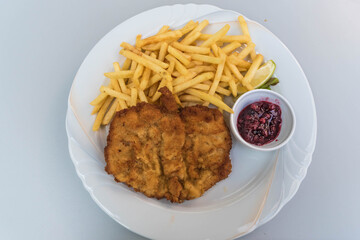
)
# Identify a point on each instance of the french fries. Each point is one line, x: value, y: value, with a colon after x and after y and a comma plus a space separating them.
x: 197, y: 68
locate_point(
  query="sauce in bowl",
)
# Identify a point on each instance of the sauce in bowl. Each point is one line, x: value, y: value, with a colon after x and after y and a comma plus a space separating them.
x: 260, y: 122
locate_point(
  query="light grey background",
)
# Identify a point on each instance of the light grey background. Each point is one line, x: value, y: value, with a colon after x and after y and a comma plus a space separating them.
x: 42, y: 44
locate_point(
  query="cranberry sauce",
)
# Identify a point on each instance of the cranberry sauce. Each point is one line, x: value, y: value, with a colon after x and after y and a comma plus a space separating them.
x: 260, y: 122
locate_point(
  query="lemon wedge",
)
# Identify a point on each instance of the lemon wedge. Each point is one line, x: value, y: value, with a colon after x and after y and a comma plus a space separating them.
x: 263, y: 74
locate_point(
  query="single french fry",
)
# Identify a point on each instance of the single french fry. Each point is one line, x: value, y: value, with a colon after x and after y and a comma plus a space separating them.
x: 212, y: 99
x: 142, y: 96
x: 233, y: 87
x: 152, y: 47
x: 202, y: 77
x: 226, y: 38
x: 188, y: 27
x: 133, y: 97
x: 145, y: 79
x: 224, y: 85
x: 110, y: 113
x: 138, y: 39
x: 114, y: 93
x: 99, y: 105
x: 204, y: 58
x: 220, y: 98
x: 251, y: 72
x: 191, y: 65
x: 101, y: 113
x: 137, y: 74
x: 200, y: 69
x: 215, y: 49
x: 238, y: 62
x: 234, y: 70
x: 206, y: 86
x: 219, y: 43
x: 100, y: 98
x: 178, y: 66
x: 176, y: 74
x: 227, y: 72
x: 171, y: 35
x: 119, y: 74
x: 223, y: 91
x: 215, y: 37
x: 153, y: 89
x: 197, y: 63
x: 201, y: 86
x: 169, y: 85
x: 163, y: 29
x: 190, y: 38
x: 246, y: 51
x: 225, y: 78
x: 218, y: 74
x: 171, y: 67
x: 243, y: 25
x: 190, y: 98
x: 126, y: 64
x: 189, y: 104
x: 121, y: 81
x: 182, y: 57
x: 181, y: 70
x: 163, y: 51
x: 133, y: 65
x: 118, y: 107
x: 231, y: 47
x: 154, y: 79
x: 190, y: 49
x: 177, y: 100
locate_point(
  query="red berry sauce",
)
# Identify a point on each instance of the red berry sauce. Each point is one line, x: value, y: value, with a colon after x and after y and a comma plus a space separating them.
x: 260, y: 122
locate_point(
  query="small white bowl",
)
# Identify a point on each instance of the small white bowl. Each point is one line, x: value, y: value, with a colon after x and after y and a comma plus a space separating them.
x: 287, y: 115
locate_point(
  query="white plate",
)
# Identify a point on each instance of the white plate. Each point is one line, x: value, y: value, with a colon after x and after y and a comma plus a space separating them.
x: 234, y: 206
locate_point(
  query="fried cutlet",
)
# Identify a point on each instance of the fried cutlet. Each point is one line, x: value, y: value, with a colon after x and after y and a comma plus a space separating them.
x: 206, y: 150
x: 164, y: 153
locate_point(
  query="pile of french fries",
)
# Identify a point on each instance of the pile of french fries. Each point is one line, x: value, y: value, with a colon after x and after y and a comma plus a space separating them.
x: 197, y: 68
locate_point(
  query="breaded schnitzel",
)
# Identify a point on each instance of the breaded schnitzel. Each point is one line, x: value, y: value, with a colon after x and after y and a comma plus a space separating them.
x: 166, y: 154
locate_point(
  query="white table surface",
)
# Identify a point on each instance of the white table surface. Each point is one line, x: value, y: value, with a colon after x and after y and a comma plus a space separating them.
x: 42, y: 44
